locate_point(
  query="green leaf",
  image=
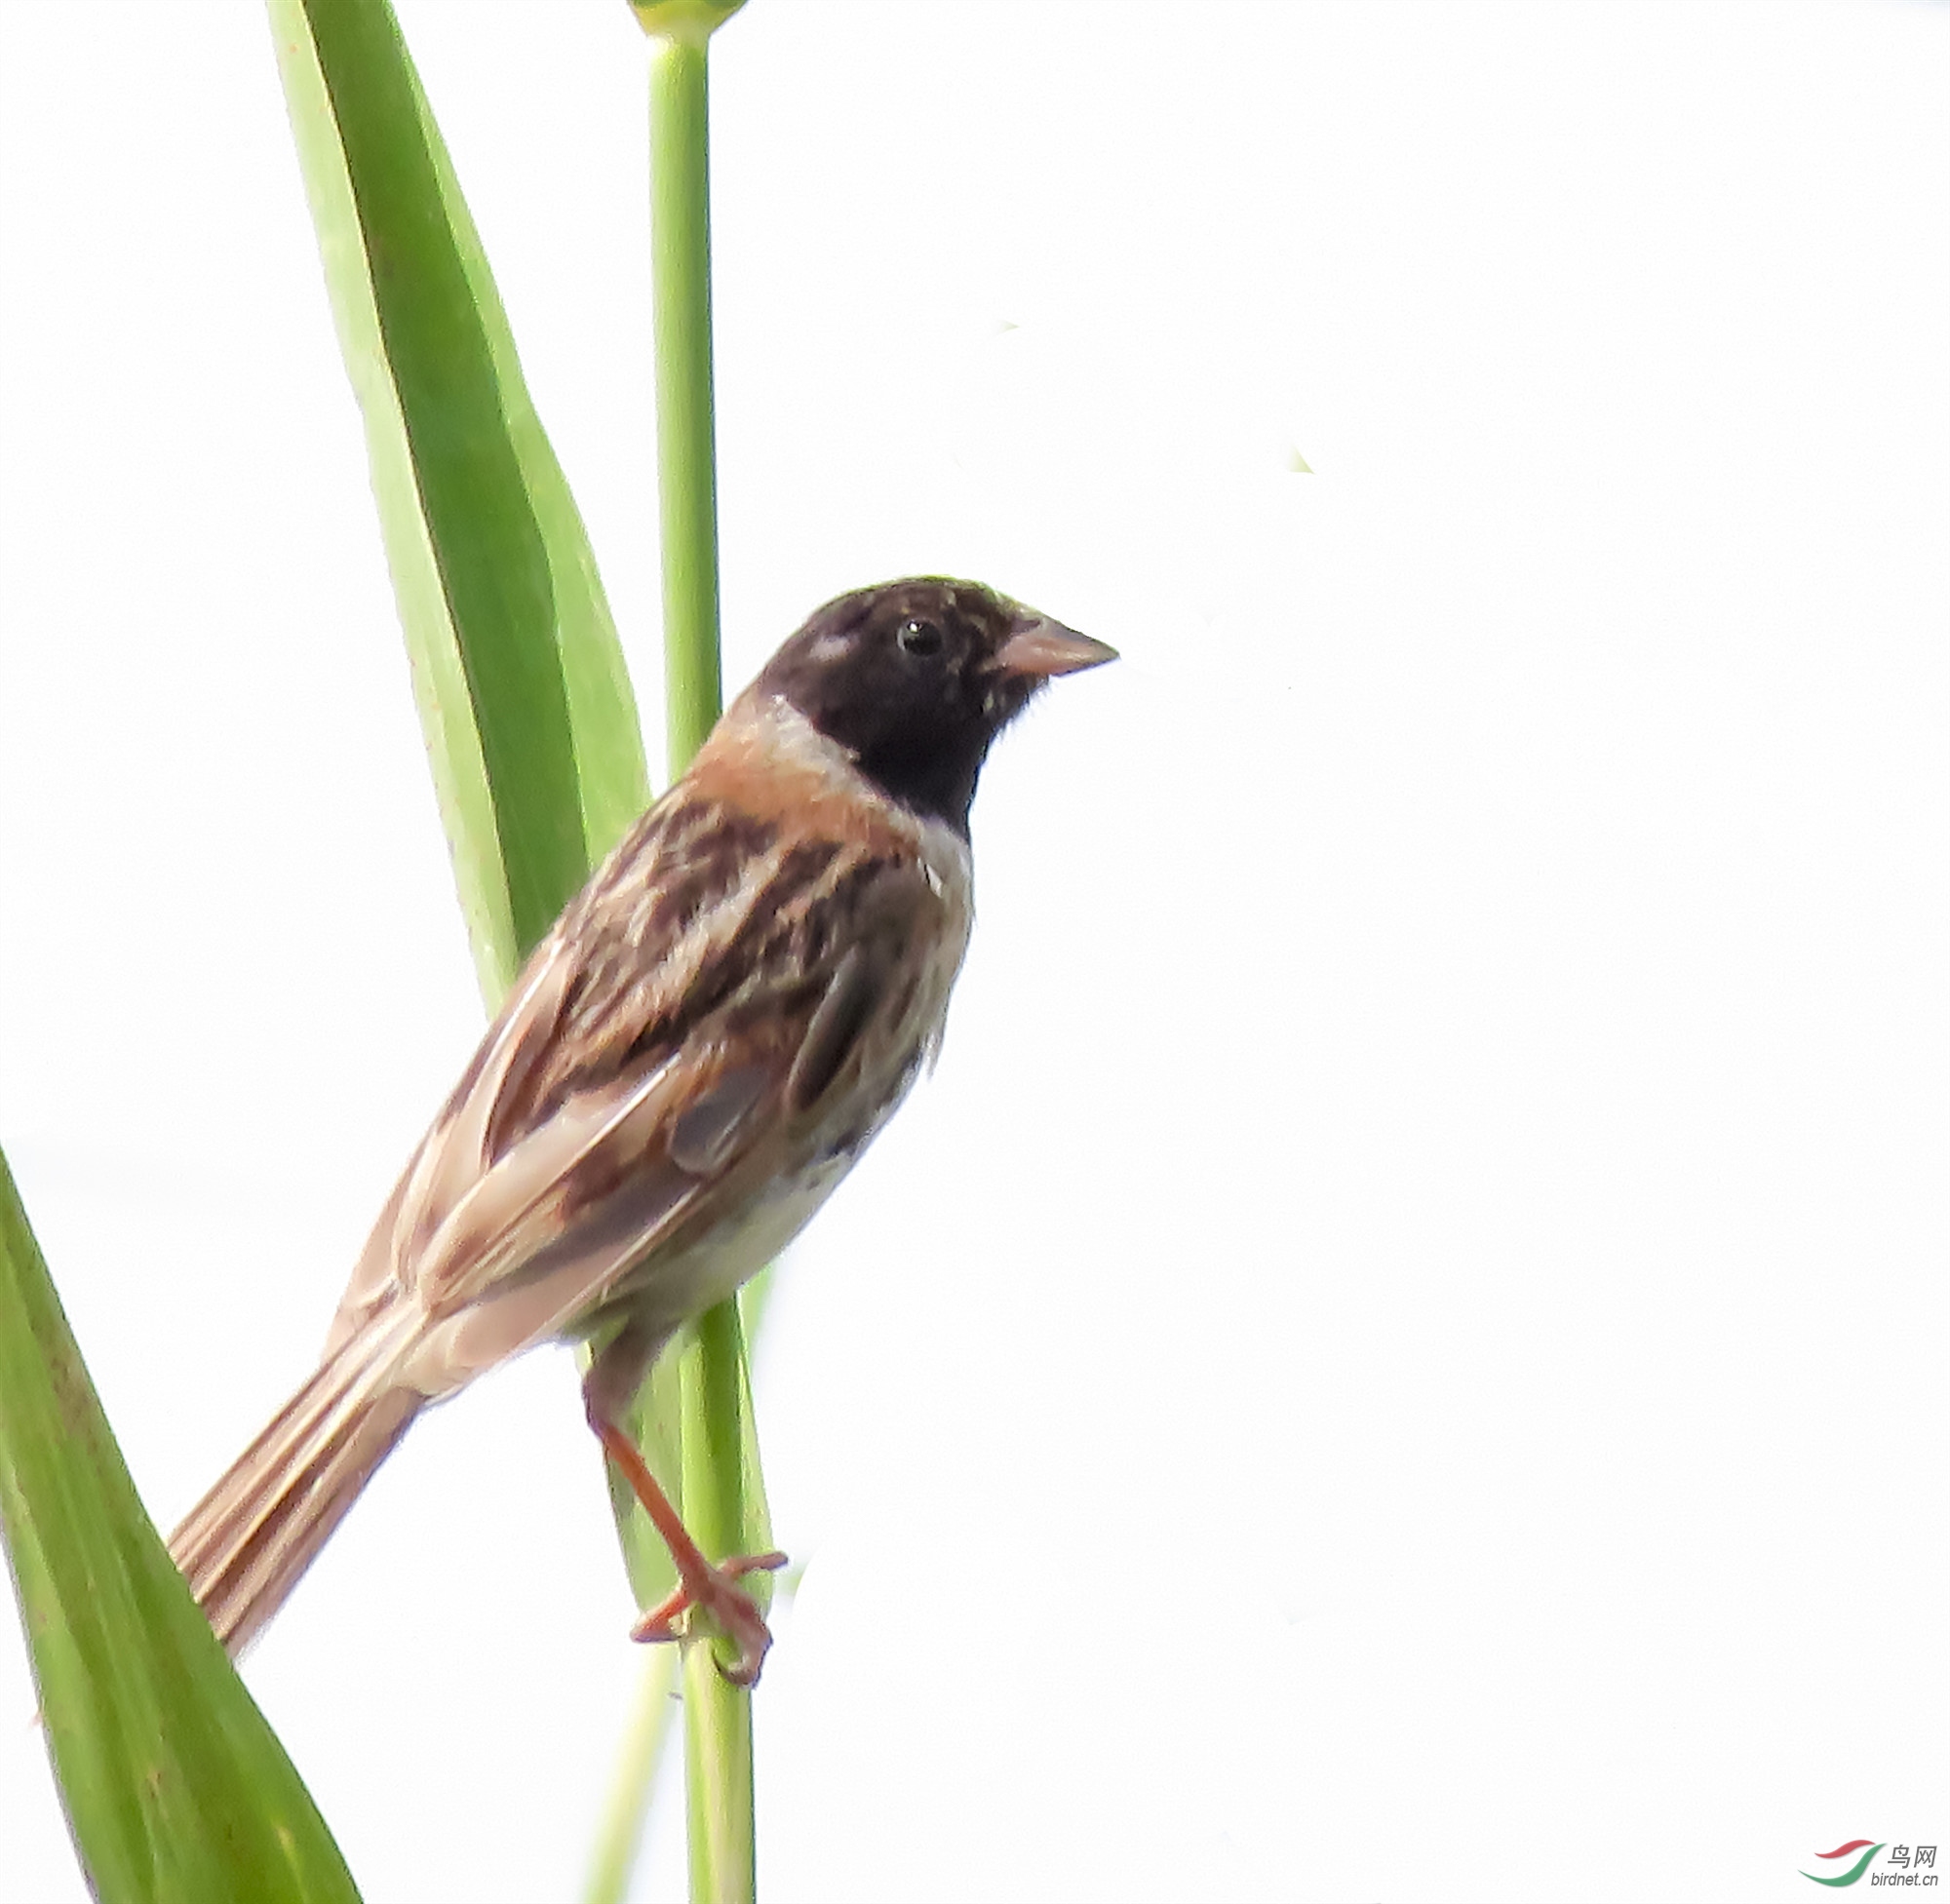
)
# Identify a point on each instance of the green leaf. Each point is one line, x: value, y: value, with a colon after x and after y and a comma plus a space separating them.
x: 177, y: 1790
x: 531, y: 724
x: 620, y: 1832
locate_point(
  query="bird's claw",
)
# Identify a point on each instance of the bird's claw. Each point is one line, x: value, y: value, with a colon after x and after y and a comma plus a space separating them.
x: 718, y: 1595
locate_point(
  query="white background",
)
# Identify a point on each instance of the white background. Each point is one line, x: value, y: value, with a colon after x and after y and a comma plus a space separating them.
x: 1402, y: 1356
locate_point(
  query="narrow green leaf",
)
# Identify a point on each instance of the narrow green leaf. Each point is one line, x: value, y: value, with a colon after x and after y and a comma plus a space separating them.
x: 531, y: 724
x: 177, y: 1790
x: 619, y: 1836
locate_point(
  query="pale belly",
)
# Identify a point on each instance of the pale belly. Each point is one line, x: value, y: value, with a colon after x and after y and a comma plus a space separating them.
x: 735, y: 1251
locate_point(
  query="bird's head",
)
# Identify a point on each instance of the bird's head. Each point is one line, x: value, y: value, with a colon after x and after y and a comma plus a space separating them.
x: 914, y: 679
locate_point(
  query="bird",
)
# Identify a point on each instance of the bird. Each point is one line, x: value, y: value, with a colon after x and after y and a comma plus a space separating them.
x: 690, y: 1061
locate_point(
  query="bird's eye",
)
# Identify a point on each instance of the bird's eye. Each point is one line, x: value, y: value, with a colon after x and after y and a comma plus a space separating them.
x: 920, y: 638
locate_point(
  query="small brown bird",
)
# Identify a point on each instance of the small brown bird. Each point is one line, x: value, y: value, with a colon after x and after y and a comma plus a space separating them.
x: 689, y: 1062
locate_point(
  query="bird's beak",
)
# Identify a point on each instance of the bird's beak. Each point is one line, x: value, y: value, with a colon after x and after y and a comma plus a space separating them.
x: 1038, y: 647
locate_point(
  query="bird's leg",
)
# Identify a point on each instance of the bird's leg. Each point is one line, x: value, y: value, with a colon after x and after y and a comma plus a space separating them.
x: 615, y: 1374
x: 713, y: 1589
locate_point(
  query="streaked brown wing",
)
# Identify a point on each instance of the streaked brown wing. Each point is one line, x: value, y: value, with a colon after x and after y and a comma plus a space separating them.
x: 690, y: 1001
x: 559, y: 1219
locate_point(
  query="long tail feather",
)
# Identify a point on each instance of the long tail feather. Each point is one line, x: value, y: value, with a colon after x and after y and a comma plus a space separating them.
x: 245, y: 1544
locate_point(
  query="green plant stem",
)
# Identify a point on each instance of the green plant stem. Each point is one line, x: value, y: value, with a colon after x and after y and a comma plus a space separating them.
x: 686, y: 446
x: 718, y: 1716
x: 621, y: 1830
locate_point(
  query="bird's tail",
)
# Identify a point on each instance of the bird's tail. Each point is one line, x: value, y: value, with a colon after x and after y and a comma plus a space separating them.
x: 245, y: 1544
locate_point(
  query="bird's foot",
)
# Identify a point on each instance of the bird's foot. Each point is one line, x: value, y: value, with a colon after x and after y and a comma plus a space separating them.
x: 716, y: 1593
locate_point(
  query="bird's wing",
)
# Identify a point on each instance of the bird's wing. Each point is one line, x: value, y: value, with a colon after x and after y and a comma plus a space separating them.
x: 687, y: 1008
